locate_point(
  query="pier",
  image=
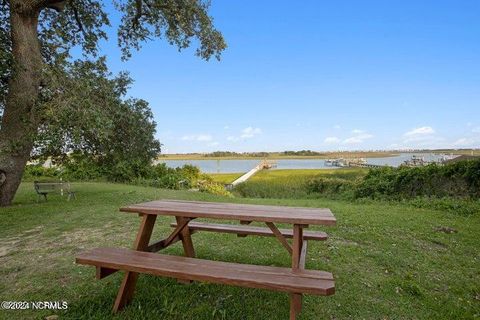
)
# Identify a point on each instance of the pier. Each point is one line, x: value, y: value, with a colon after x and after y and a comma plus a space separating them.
x: 264, y: 164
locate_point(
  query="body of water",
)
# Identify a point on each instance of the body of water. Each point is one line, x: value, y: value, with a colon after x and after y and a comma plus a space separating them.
x: 234, y: 166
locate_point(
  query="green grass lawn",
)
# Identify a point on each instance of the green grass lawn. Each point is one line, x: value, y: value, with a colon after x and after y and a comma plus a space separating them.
x: 389, y: 261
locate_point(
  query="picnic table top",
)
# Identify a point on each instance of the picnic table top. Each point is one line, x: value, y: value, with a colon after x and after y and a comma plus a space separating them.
x: 231, y: 211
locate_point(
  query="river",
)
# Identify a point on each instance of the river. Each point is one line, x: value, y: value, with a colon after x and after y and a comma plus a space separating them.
x: 244, y: 165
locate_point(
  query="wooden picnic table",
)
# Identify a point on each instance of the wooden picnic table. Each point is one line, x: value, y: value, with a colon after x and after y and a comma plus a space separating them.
x: 142, y: 259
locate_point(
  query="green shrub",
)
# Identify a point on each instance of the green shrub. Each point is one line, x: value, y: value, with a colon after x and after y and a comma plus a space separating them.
x: 36, y: 171
x: 212, y: 187
x: 459, y: 180
x: 79, y: 167
x: 331, y: 186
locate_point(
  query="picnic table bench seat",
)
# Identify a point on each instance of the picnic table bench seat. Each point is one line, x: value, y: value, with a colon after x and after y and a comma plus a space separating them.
x: 243, y: 230
x: 244, y: 275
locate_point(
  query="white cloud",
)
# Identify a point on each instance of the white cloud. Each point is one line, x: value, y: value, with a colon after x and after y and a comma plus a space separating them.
x: 337, y: 126
x: 357, y: 131
x: 198, y: 137
x: 247, y: 133
x: 357, y: 139
x: 226, y: 127
x: 250, y: 132
x: 394, y: 146
x: 421, y: 136
x: 463, y: 142
x: 331, y: 140
x: 476, y: 130
x: 420, y: 131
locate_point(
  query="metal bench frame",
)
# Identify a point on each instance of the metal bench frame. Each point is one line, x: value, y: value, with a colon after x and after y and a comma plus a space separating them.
x: 43, y: 188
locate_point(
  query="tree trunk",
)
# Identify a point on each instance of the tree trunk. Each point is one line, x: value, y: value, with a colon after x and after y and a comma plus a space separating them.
x: 19, y: 122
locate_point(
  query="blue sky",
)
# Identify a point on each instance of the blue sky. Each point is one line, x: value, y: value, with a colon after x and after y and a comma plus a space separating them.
x: 320, y: 75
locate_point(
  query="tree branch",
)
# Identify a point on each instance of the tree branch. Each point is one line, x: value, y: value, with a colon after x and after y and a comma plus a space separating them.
x: 77, y: 17
x: 138, y: 15
x: 57, y: 5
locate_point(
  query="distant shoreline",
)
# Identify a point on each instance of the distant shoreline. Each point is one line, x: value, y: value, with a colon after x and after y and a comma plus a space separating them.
x: 276, y: 156
x: 326, y: 155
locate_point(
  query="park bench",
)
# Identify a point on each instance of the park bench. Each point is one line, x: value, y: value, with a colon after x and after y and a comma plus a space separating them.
x: 43, y: 188
x: 143, y: 257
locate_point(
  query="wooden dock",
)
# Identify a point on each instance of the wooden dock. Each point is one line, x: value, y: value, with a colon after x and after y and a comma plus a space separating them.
x: 351, y: 163
x: 264, y: 164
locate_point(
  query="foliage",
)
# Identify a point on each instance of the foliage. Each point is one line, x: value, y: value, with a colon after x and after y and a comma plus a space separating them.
x: 63, y: 25
x: 36, y: 171
x: 208, y: 185
x: 459, y: 179
x: 331, y: 186
x: 453, y: 187
x: 85, y: 114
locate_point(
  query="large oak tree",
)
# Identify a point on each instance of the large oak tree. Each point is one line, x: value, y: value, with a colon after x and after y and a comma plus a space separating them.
x: 35, y: 35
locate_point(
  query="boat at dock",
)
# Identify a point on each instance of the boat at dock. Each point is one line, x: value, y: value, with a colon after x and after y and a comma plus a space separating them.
x: 350, y: 163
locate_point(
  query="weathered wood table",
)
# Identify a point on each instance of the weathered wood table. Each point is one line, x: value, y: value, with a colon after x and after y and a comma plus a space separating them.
x: 142, y: 259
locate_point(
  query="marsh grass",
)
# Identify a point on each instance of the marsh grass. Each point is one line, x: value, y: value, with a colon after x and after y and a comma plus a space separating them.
x: 295, y: 184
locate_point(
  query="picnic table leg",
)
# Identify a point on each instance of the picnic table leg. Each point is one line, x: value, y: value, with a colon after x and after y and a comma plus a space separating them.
x: 245, y: 222
x: 296, y: 298
x: 186, y: 238
x: 187, y: 243
x: 127, y: 288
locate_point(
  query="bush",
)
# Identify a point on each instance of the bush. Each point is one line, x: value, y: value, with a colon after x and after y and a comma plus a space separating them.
x: 36, y: 171
x: 331, y: 186
x: 80, y: 167
x: 458, y: 180
x: 212, y: 187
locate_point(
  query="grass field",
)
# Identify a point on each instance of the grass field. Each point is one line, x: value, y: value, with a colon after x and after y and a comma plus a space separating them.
x: 225, y: 178
x: 292, y: 184
x: 344, y: 173
x: 390, y: 261
x: 296, y: 174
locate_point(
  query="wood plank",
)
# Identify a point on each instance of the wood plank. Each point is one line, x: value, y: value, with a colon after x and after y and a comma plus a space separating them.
x: 279, y: 236
x: 303, y: 254
x: 127, y: 288
x: 181, y: 223
x: 295, y: 305
x: 187, y: 243
x: 263, y: 277
x: 261, y: 213
x: 250, y: 230
x: 162, y: 244
x: 186, y: 237
x: 297, y: 246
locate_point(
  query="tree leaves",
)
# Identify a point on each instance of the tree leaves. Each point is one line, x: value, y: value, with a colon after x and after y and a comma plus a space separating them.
x: 84, y: 111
